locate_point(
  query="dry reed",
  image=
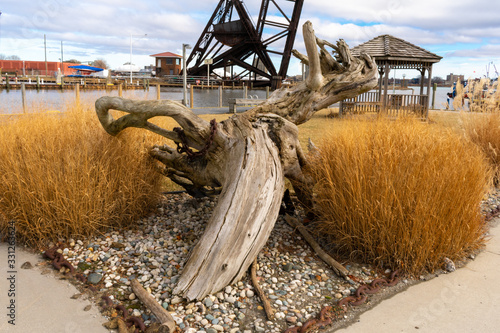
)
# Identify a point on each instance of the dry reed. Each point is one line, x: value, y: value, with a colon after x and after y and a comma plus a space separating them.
x: 483, y: 126
x: 401, y: 194
x: 64, y: 176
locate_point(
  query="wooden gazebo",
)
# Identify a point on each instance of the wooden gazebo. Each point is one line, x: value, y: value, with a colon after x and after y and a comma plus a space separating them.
x: 389, y: 53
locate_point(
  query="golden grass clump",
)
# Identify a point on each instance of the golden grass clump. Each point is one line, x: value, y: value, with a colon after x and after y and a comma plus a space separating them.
x: 64, y: 176
x: 401, y: 194
x: 484, y: 131
x: 483, y: 126
x: 483, y: 95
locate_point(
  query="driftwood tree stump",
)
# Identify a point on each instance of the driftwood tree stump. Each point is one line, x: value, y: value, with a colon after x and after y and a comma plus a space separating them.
x: 245, y: 158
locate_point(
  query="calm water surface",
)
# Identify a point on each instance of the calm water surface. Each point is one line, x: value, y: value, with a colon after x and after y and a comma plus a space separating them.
x: 10, y: 102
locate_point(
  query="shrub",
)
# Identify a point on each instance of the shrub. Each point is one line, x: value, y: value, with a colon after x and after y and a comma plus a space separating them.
x: 64, y: 176
x: 401, y: 194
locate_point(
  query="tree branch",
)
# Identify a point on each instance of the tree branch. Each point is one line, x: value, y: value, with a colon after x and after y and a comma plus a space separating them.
x: 141, y: 111
x: 340, y: 270
x: 267, y: 306
x: 331, y: 79
x: 315, y: 80
x: 165, y: 318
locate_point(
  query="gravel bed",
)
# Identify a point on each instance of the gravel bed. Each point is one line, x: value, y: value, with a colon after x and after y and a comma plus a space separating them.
x: 297, y: 283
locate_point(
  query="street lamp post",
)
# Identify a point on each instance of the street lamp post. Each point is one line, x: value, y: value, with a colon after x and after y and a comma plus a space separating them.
x: 184, y: 73
x: 130, y: 63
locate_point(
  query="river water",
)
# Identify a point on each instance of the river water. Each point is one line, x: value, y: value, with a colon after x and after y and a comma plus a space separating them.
x: 51, y: 100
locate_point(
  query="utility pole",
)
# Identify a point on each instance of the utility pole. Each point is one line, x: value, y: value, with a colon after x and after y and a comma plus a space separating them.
x: 62, y: 61
x: 0, y: 29
x: 130, y: 62
x: 45, y: 47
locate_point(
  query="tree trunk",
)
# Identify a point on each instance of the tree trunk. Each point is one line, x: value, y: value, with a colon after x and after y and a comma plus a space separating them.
x: 243, y: 219
x: 245, y: 158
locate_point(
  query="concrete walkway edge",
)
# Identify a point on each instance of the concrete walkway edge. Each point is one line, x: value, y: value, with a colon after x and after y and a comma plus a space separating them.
x: 467, y: 300
x: 40, y: 303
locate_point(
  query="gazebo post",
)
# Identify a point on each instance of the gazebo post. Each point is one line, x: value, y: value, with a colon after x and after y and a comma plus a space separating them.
x: 380, y: 82
x: 429, y: 70
x: 386, y: 84
x: 422, y: 78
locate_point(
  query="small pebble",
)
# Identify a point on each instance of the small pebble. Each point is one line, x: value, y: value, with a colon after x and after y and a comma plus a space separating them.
x: 27, y: 265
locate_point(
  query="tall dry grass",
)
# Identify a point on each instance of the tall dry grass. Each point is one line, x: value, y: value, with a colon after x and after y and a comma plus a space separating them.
x: 401, y: 194
x: 483, y: 95
x: 483, y: 126
x: 63, y: 176
x: 484, y: 131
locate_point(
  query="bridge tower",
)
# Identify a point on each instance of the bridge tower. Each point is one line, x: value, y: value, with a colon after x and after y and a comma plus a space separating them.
x: 245, y: 50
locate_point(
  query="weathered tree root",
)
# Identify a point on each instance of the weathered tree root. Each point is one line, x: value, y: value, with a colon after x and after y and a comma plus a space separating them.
x: 248, y: 156
x: 340, y: 270
x: 330, y: 314
x: 265, y: 302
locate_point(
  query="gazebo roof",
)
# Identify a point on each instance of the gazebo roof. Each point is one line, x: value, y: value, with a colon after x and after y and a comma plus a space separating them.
x: 387, y: 47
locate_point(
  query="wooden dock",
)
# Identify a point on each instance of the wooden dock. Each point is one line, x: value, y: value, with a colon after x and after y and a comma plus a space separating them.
x: 49, y: 83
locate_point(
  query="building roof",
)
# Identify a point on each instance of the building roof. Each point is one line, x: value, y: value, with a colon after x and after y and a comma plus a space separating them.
x: 387, y: 47
x: 166, y: 55
x: 87, y: 68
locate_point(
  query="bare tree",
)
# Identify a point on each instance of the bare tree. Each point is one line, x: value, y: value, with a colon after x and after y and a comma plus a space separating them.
x: 438, y: 80
x: 245, y: 157
x: 101, y: 63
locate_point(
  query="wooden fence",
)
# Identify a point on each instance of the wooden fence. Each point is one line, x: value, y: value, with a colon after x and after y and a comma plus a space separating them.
x: 397, y: 104
x: 367, y: 102
x: 402, y: 105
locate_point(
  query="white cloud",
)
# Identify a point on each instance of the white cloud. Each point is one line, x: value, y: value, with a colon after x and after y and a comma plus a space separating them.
x: 95, y: 28
x: 428, y: 14
x: 485, y: 51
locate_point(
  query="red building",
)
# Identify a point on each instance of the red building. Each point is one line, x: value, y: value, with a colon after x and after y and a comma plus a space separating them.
x: 26, y: 67
x: 167, y: 63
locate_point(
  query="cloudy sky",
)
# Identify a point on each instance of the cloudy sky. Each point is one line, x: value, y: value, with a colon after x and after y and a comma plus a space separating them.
x: 465, y: 33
